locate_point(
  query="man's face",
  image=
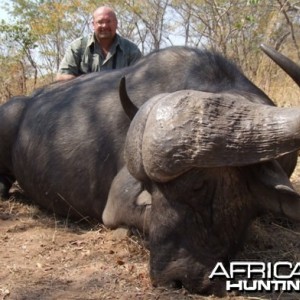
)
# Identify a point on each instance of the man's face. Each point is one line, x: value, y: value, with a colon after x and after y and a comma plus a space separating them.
x: 105, y: 25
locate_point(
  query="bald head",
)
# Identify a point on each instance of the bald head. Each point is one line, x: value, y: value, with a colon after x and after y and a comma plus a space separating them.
x: 105, y: 24
x: 104, y: 10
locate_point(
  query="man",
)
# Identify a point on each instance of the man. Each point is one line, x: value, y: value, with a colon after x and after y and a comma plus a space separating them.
x: 103, y: 50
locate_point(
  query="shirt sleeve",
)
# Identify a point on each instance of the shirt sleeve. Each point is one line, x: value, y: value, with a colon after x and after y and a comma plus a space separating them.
x: 135, y: 56
x: 70, y: 63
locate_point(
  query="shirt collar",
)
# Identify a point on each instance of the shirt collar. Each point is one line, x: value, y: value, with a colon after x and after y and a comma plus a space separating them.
x: 117, y: 42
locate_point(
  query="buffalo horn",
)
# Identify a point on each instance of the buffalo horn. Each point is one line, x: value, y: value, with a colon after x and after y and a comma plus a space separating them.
x: 129, y: 108
x: 189, y: 129
x: 291, y: 68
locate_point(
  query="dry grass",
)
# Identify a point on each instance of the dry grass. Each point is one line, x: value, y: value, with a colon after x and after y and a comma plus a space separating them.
x: 43, y: 257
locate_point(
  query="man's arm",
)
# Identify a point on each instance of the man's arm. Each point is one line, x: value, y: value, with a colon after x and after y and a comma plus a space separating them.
x: 60, y: 77
x: 70, y: 64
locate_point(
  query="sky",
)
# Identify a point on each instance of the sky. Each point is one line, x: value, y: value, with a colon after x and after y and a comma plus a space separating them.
x: 3, y: 14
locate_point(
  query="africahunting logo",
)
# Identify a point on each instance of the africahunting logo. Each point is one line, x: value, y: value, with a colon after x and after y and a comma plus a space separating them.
x: 246, y: 276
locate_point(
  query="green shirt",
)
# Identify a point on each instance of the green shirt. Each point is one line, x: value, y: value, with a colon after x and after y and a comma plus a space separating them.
x: 84, y: 56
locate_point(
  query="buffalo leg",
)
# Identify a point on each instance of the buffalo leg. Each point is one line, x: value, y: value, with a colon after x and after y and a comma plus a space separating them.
x: 128, y: 204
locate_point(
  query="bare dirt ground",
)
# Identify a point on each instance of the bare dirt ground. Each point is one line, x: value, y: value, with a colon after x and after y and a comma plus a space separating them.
x: 45, y: 257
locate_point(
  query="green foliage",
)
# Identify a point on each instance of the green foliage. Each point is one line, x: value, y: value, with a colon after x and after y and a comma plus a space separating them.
x: 18, y: 34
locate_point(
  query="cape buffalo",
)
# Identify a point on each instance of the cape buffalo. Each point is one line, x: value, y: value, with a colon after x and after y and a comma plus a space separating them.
x: 207, y: 160
x: 198, y: 179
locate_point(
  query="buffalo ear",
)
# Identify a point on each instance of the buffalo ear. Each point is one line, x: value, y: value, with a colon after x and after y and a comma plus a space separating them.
x: 272, y: 175
x: 278, y: 197
x: 128, y: 106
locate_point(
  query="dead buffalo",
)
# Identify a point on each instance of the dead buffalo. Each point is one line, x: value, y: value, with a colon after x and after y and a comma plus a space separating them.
x: 208, y: 162
x: 206, y: 177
